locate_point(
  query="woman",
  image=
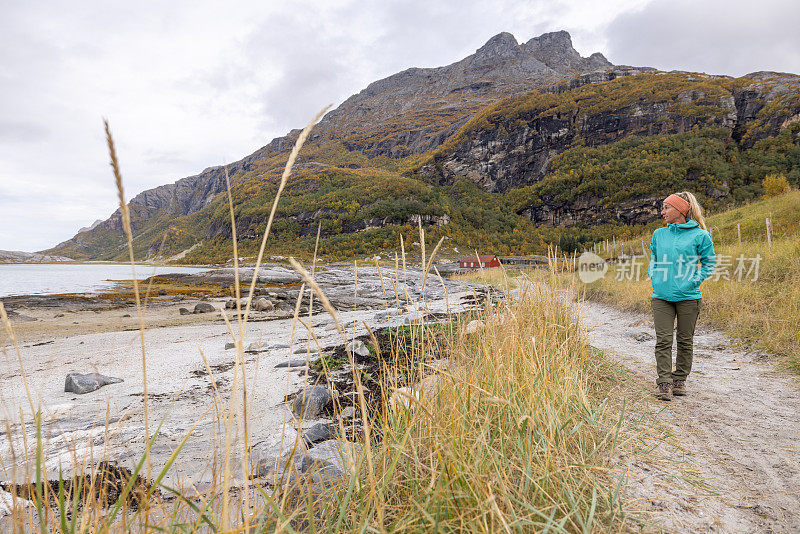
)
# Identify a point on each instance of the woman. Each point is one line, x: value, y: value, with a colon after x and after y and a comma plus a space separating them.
x: 674, y: 253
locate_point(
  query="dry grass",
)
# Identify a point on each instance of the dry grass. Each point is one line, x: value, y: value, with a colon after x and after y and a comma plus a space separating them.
x: 494, y: 276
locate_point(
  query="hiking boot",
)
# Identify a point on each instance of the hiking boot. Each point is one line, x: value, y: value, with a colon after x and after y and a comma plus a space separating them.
x: 664, y: 391
x: 679, y: 388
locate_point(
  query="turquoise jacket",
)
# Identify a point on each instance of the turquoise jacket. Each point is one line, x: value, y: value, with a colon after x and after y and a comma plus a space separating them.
x: 674, y: 253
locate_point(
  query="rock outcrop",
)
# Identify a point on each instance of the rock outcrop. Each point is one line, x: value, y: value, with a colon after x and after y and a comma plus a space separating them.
x: 515, y: 151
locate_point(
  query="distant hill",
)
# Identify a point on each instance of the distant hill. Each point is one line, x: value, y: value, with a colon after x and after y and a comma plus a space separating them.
x: 15, y: 256
x: 507, y: 151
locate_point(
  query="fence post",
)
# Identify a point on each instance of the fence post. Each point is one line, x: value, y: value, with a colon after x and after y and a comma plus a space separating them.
x: 769, y: 237
x: 739, y: 231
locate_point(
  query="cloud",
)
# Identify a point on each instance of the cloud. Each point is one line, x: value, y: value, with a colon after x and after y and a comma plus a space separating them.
x: 713, y: 36
x: 21, y: 131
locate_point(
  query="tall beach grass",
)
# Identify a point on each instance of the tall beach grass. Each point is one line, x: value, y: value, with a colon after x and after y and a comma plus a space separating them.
x: 511, y: 432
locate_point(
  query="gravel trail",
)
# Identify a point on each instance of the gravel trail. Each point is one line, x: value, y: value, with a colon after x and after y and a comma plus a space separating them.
x: 739, y: 427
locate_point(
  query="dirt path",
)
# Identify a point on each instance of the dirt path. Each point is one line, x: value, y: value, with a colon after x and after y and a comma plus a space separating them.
x: 739, y: 429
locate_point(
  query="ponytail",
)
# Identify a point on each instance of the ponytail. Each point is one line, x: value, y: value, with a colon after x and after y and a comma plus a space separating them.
x: 695, y: 210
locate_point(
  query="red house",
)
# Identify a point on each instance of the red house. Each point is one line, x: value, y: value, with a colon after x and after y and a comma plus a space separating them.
x: 477, y: 262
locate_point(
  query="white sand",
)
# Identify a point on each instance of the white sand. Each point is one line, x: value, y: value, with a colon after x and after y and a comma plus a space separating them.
x: 180, y: 392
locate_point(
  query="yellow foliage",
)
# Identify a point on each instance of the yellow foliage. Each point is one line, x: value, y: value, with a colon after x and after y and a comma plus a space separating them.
x: 775, y: 185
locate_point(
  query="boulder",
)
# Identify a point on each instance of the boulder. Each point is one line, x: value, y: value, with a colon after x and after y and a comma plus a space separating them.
x: 204, y: 307
x: 339, y: 453
x: 348, y: 413
x: 7, y: 502
x: 80, y: 383
x: 318, y: 433
x: 357, y: 347
x: 310, y: 401
x: 299, y: 468
x: 274, y: 463
x: 429, y: 386
x: 263, y: 304
x: 474, y: 326
x: 185, y: 311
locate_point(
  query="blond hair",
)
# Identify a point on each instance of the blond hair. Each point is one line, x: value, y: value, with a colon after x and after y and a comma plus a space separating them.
x: 695, y: 210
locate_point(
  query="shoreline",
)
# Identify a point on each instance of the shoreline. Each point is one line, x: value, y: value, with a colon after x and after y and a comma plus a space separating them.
x: 101, y: 335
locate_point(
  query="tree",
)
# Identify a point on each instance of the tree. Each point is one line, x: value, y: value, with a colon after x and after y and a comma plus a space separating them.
x: 775, y: 185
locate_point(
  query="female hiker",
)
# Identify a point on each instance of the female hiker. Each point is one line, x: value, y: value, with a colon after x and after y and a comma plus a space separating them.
x: 674, y: 254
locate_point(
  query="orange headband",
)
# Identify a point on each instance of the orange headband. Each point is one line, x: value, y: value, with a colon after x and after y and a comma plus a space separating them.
x: 678, y: 203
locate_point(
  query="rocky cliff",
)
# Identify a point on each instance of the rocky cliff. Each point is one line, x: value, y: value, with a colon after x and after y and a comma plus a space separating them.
x: 514, y: 145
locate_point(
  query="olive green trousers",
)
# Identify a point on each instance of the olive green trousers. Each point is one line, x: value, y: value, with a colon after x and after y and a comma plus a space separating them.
x: 664, y: 315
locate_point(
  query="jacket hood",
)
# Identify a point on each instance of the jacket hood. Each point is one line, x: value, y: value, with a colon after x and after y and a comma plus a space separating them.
x: 677, y: 227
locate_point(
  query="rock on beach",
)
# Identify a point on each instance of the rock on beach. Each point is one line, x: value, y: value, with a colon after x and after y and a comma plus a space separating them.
x: 292, y: 363
x: 263, y: 304
x: 318, y: 433
x: 339, y: 453
x: 80, y: 383
x: 358, y: 347
x: 310, y: 401
x: 204, y: 307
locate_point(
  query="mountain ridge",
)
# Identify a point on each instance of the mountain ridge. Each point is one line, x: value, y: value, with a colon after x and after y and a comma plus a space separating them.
x: 189, y: 194
x: 409, y: 145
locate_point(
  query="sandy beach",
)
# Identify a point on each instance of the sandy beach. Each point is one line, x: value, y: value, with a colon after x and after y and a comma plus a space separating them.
x: 95, y: 335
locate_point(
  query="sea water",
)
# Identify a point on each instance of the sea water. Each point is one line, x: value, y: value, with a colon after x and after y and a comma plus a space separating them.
x: 49, y: 278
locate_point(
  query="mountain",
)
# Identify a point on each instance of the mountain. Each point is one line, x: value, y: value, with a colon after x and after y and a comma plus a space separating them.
x: 417, y: 109
x: 510, y: 149
x: 92, y: 226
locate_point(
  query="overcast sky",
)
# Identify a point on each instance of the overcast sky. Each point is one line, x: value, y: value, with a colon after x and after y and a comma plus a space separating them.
x: 188, y: 85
